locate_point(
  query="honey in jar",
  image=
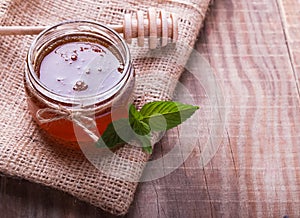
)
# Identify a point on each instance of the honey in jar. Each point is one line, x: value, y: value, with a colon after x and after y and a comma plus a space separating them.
x: 75, y: 71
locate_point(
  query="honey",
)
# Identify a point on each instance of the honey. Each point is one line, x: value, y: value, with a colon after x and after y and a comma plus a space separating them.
x: 75, y: 72
x: 79, y: 66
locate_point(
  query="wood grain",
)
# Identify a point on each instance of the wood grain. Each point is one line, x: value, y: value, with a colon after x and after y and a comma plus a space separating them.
x: 290, y: 16
x: 245, y: 42
x: 254, y: 48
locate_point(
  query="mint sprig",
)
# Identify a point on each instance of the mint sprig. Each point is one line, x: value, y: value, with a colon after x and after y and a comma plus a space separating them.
x: 153, y: 117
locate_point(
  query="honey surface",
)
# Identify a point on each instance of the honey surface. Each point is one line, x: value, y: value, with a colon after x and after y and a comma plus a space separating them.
x: 80, y: 68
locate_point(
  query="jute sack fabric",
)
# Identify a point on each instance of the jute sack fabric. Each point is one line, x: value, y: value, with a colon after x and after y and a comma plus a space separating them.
x: 26, y: 152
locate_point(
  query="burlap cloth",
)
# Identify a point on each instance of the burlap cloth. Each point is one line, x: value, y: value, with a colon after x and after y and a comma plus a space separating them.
x: 26, y: 152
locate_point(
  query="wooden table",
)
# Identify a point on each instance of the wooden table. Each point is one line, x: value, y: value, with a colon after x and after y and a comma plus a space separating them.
x: 254, y: 47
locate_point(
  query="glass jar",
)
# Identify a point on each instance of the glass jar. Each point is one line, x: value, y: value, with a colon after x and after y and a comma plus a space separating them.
x: 74, y: 73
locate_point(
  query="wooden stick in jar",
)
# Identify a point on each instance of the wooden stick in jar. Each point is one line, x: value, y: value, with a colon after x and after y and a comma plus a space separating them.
x: 33, y: 30
x: 163, y: 26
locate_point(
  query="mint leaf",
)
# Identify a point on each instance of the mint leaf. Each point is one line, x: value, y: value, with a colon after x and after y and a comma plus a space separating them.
x: 111, y: 136
x: 135, y: 119
x: 140, y: 127
x: 154, y: 116
x: 134, y: 114
x: 146, y: 143
x: 148, y: 149
x: 169, y: 113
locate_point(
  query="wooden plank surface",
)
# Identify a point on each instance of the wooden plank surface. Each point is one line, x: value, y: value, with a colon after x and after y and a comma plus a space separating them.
x: 246, y: 44
x: 290, y: 16
x: 254, y: 48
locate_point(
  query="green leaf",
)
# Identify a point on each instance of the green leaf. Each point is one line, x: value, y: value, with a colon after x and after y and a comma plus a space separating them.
x: 146, y: 143
x: 154, y: 116
x: 134, y: 114
x: 148, y: 149
x: 111, y: 136
x: 165, y: 115
x: 139, y: 126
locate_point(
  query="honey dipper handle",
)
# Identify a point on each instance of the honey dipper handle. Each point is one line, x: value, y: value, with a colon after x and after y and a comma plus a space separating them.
x: 21, y: 30
x: 33, y: 30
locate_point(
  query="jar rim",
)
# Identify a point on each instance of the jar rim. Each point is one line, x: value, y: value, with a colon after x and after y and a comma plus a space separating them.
x: 89, y: 98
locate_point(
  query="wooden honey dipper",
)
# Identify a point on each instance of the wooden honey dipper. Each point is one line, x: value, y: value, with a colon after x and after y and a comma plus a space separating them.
x: 165, y: 26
